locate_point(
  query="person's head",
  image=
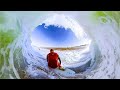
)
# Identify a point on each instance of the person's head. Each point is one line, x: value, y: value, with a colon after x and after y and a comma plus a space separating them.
x: 51, y: 50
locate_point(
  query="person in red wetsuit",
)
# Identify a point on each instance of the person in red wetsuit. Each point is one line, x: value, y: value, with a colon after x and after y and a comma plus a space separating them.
x: 53, y: 60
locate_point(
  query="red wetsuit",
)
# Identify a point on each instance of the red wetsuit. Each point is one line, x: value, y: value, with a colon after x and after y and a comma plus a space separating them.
x: 52, y: 59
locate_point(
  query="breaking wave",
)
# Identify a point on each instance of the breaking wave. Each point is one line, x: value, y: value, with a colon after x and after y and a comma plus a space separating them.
x: 19, y: 59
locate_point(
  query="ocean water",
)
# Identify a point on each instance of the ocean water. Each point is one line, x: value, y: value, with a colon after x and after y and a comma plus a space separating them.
x: 18, y: 58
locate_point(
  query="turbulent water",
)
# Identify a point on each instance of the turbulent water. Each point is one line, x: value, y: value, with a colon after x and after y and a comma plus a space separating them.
x: 18, y: 59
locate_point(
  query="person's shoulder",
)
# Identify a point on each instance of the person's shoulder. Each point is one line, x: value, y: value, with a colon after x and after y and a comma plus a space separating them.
x: 48, y: 54
x: 55, y: 53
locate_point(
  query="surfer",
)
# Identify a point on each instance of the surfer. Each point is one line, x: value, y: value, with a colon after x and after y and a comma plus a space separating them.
x: 53, y: 60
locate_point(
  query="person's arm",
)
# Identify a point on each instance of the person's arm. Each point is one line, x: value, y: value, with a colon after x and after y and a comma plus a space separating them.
x: 59, y: 59
x: 47, y: 58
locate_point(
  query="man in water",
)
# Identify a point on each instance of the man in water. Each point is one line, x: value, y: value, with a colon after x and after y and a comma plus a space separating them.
x: 53, y: 60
